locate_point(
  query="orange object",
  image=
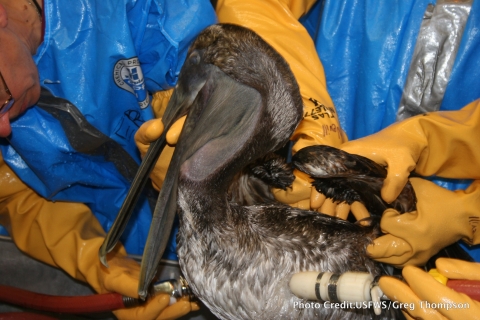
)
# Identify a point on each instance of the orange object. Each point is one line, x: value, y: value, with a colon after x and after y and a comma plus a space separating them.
x: 62, y: 304
x: 469, y: 287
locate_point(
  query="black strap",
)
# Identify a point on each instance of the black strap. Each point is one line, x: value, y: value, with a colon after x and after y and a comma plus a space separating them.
x: 39, y: 9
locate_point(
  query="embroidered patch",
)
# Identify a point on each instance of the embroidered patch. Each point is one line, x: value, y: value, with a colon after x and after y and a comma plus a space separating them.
x: 128, y: 75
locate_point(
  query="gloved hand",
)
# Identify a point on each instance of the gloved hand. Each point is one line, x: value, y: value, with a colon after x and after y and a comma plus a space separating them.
x: 423, y: 288
x: 438, y: 143
x: 159, y: 104
x: 302, y: 195
x: 68, y: 236
x: 151, y: 131
x: 443, y: 217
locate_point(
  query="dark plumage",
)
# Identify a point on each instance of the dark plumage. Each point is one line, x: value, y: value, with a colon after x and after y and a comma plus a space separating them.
x: 252, y: 185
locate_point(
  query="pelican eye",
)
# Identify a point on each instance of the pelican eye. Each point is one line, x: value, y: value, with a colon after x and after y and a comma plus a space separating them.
x: 194, y: 57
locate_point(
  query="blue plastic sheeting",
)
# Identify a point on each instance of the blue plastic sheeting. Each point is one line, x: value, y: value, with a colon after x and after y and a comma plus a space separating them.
x: 366, y: 48
x: 104, y: 57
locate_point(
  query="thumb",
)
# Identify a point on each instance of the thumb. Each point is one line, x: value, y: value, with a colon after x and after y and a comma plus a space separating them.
x: 174, y: 132
x: 394, y: 184
x: 389, y: 249
x: 399, y: 167
x: 177, y: 310
x: 147, y: 133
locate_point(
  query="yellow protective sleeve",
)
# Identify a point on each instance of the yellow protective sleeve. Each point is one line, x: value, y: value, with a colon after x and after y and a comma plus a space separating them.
x: 443, y: 143
x: 68, y: 236
x: 299, y: 7
x: 276, y: 22
x: 452, y: 140
x: 57, y: 233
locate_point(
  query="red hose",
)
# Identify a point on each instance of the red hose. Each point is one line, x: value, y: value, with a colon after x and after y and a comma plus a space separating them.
x: 61, y: 304
x: 24, y: 316
x: 469, y: 287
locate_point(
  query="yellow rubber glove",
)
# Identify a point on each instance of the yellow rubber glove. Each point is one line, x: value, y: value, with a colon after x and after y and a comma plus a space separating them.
x: 298, y: 7
x: 422, y: 288
x: 159, y: 104
x: 439, y: 143
x: 443, y: 217
x: 151, y: 131
x: 68, y: 236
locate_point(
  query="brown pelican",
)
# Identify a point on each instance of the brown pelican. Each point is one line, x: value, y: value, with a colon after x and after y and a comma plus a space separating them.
x: 242, y: 103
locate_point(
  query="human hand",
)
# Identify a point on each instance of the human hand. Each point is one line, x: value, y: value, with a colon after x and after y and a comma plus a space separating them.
x: 148, y: 133
x: 302, y: 195
x: 392, y: 149
x: 421, y: 288
x: 122, y: 277
x: 443, y: 217
x: 443, y: 143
